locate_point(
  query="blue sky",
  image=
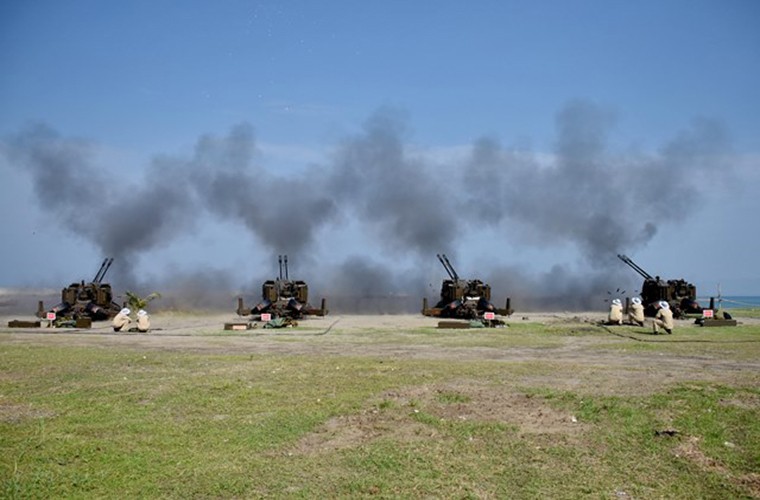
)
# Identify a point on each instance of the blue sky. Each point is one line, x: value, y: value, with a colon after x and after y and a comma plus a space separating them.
x: 146, y: 79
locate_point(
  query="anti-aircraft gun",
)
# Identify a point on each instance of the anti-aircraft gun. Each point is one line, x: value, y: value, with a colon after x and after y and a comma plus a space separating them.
x: 463, y: 299
x: 283, y: 298
x: 679, y: 294
x: 93, y: 300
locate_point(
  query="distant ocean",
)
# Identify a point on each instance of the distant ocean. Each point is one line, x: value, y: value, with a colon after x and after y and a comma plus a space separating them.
x: 733, y: 301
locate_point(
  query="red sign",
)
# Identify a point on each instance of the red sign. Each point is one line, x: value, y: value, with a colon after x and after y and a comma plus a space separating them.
x: 707, y: 313
x: 50, y: 316
x: 489, y: 315
x: 266, y: 317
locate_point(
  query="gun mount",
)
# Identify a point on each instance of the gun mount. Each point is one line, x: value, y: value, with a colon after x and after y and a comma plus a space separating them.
x: 464, y: 299
x: 680, y: 294
x: 93, y: 300
x: 283, y: 297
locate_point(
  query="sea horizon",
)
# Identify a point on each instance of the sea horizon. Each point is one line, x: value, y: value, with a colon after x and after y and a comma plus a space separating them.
x: 732, y: 301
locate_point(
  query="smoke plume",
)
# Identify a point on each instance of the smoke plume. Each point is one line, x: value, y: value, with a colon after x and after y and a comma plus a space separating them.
x: 122, y: 220
x: 283, y: 213
x: 584, y: 195
x: 399, y: 197
x: 598, y: 201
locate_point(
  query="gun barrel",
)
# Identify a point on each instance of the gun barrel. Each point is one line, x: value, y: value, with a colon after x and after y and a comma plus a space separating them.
x: 110, y: 261
x: 453, y: 271
x: 635, y: 266
x: 443, y: 263
x: 104, y: 267
x: 100, y: 271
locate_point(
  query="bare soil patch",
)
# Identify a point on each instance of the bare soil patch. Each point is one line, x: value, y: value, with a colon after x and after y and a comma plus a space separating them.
x: 394, y: 414
x: 12, y: 413
x: 690, y: 450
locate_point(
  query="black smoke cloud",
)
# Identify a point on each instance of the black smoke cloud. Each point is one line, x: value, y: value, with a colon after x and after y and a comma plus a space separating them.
x: 590, y: 197
x: 596, y: 200
x: 122, y: 220
x: 399, y: 197
x: 283, y: 213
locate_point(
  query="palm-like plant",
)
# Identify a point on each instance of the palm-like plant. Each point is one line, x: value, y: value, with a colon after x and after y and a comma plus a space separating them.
x: 135, y: 302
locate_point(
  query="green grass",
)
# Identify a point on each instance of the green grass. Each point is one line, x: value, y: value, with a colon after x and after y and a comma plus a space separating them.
x: 121, y: 422
x: 749, y: 312
x: 730, y: 342
x: 517, y: 334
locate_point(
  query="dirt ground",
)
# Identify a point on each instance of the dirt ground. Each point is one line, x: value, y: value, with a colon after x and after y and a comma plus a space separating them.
x: 598, y: 363
x: 607, y: 362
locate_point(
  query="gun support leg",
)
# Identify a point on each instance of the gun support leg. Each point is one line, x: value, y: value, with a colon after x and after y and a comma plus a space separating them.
x: 241, y: 307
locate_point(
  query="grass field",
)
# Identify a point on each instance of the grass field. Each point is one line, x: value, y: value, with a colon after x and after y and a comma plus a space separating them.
x: 571, y: 411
